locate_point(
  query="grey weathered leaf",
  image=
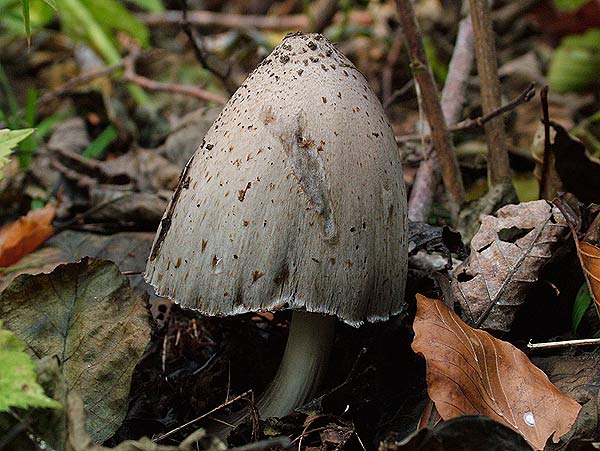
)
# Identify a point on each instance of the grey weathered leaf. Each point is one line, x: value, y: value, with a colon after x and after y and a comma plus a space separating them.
x: 507, y: 255
x: 87, y: 315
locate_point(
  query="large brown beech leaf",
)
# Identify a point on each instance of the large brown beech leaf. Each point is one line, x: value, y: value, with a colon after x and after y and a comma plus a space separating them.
x: 589, y: 256
x: 471, y: 372
x: 507, y: 254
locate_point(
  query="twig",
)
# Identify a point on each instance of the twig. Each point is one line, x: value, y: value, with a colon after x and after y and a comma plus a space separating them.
x: 152, y: 85
x: 128, y: 64
x: 466, y: 124
x: 210, y: 412
x: 410, y: 84
x: 132, y: 273
x: 240, y: 21
x: 545, y: 182
x: 524, y: 97
x: 200, y: 53
x: 487, y: 68
x: 228, y: 20
x: 564, y: 343
x: 506, y: 15
x: 439, y: 131
x: 79, y: 80
x: 320, y: 14
x: 453, y: 96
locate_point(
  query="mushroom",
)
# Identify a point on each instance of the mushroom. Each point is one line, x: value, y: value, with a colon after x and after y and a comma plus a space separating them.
x: 294, y: 200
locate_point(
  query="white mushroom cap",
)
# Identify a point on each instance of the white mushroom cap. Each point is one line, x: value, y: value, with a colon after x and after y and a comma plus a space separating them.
x: 295, y: 199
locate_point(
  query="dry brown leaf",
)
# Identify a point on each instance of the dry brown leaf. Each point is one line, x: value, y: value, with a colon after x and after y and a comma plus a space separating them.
x: 471, y: 372
x: 590, y: 261
x: 26, y: 234
x: 507, y: 254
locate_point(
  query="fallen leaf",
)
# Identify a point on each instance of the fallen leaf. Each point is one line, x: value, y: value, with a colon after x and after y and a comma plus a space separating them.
x: 470, y: 372
x: 87, y: 315
x: 25, y: 235
x: 576, y: 376
x: 466, y: 433
x: 589, y: 257
x: 572, y: 168
x: 65, y: 429
x: 507, y: 254
x: 590, y: 262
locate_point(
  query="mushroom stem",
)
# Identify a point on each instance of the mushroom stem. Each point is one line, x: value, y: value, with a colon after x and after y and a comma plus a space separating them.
x: 302, y: 366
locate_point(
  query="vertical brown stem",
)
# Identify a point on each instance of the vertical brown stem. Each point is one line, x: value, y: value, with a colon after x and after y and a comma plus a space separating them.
x: 487, y: 67
x: 440, y: 135
x: 549, y: 177
x: 453, y: 98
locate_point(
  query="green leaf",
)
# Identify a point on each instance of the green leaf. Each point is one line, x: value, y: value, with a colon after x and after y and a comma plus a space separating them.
x: 8, y: 141
x: 97, y: 148
x: 18, y: 385
x: 113, y: 16
x: 87, y: 316
x: 154, y: 6
x: 575, y: 64
x: 26, y: 20
x: 51, y: 4
x: 580, y: 306
x: 569, y: 5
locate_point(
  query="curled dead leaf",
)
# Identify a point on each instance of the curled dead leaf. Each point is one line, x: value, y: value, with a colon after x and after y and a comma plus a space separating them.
x: 507, y: 254
x: 25, y: 234
x: 470, y: 372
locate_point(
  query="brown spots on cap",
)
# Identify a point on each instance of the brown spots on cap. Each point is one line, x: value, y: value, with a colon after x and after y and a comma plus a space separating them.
x: 267, y: 116
x: 311, y: 45
x: 178, y: 262
x: 203, y: 245
x: 324, y: 99
x: 257, y: 275
x: 284, y: 59
x: 245, y: 222
x: 242, y: 192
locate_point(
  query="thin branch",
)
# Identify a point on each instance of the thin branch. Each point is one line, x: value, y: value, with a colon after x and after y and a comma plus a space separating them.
x: 195, y: 420
x: 200, y: 52
x: 130, y: 75
x: 453, y: 97
x: 487, y: 68
x: 228, y: 20
x: 152, y: 85
x: 546, y: 179
x: 564, y: 343
x: 79, y: 80
x: 240, y: 21
x: 466, y: 124
x: 439, y: 130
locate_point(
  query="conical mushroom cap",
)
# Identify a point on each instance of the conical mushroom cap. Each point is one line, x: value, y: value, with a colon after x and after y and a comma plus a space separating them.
x: 295, y: 199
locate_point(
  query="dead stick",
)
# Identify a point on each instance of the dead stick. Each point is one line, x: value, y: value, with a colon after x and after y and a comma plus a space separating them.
x: 210, y: 412
x: 466, y: 124
x: 152, y: 85
x: 439, y: 130
x: 453, y: 97
x: 545, y: 182
x: 228, y: 20
x: 487, y: 68
x: 565, y: 343
x: 79, y: 80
